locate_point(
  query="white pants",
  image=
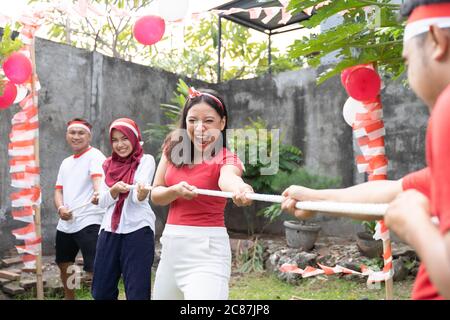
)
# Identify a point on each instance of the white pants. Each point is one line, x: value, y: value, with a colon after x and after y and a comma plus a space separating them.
x: 195, y: 264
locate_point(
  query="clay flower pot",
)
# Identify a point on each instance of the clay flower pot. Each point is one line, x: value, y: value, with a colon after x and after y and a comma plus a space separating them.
x: 368, y: 246
x: 301, y: 235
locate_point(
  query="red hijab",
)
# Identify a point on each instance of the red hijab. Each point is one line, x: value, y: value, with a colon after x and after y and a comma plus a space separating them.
x: 118, y: 169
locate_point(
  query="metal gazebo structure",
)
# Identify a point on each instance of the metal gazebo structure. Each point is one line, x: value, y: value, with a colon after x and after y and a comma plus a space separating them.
x: 273, y: 27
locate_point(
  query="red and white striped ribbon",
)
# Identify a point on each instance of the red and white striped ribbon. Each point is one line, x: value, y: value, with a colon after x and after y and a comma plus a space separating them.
x: 32, y: 246
x: 25, y: 174
x: 25, y: 215
x: 309, y: 271
x: 369, y: 132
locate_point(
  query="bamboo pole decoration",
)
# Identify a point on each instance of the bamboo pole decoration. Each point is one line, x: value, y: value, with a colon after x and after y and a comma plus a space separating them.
x: 37, y: 217
x: 389, y: 283
x: 387, y: 248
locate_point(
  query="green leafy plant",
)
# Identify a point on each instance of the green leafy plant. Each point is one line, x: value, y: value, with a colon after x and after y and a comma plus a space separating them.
x: 289, y: 156
x: 411, y: 264
x: 301, y: 177
x: 375, y: 264
x: 251, y: 259
x: 369, y: 226
x: 157, y: 132
x: 289, y: 173
x: 241, y: 57
x: 8, y: 45
x: 370, y: 32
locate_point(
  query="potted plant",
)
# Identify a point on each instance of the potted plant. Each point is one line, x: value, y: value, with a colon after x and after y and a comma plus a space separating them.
x: 299, y: 234
x: 367, y: 245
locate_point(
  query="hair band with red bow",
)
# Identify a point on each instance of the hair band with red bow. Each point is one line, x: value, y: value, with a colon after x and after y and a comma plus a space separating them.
x: 193, y: 93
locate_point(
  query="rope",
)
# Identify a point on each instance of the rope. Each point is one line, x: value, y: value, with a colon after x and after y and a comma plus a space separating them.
x: 80, y: 207
x: 371, y: 210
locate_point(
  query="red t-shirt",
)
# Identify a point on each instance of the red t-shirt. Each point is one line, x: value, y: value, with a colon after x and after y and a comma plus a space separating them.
x: 434, y: 182
x: 204, y: 211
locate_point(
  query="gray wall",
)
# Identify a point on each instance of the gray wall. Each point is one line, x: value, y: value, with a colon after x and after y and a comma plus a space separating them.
x: 80, y: 83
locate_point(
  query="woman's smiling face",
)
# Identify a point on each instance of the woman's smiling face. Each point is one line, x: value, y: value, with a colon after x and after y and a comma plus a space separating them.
x: 121, y: 144
x: 204, y: 125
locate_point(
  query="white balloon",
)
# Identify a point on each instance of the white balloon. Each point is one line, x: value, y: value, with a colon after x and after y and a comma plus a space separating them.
x: 173, y: 10
x: 22, y: 92
x: 351, y: 107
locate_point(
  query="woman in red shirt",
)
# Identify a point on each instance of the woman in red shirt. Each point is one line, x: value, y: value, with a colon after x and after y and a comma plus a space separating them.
x: 196, y: 257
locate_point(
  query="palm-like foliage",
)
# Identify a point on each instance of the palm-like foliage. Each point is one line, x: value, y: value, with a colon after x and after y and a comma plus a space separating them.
x: 370, y: 32
x: 157, y: 132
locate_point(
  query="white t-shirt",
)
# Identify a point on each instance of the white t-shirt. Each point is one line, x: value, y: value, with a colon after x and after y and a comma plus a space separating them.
x: 135, y: 214
x: 75, y: 179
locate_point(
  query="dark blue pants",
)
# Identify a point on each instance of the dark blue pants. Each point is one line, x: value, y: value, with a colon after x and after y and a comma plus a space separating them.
x: 130, y: 255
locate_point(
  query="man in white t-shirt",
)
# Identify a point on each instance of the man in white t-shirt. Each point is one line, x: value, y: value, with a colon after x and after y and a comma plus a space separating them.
x: 79, y: 178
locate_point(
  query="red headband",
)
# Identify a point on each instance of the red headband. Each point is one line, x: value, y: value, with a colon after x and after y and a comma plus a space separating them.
x: 436, y: 10
x: 195, y: 93
x: 424, y: 16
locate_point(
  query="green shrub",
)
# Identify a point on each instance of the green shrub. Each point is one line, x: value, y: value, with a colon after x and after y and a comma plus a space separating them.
x: 289, y: 157
x: 301, y: 177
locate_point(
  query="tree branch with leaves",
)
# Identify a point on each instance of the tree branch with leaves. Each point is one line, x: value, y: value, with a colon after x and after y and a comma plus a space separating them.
x: 369, y: 32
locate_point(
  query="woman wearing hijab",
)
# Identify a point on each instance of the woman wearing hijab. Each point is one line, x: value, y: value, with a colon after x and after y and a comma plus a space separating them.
x: 126, y: 241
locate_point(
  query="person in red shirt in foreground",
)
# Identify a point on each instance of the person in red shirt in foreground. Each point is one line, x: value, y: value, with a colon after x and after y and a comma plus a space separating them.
x: 196, y: 256
x: 425, y: 193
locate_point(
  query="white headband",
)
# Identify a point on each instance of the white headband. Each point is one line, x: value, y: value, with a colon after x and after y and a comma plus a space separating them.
x: 80, y: 126
x: 129, y: 126
x: 415, y: 28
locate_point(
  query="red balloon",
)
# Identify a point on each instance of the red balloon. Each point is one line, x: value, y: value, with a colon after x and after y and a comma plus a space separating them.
x: 363, y: 84
x: 17, y: 68
x: 344, y: 75
x: 9, y: 95
x: 346, y: 72
x: 149, y: 29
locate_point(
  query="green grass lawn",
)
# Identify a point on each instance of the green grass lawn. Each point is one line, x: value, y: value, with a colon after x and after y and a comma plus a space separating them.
x: 268, y: 287
x: 264, y: 286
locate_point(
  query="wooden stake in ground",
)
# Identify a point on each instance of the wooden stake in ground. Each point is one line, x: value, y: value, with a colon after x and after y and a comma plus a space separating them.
x: 37, y: 217
x: 389, y: 283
